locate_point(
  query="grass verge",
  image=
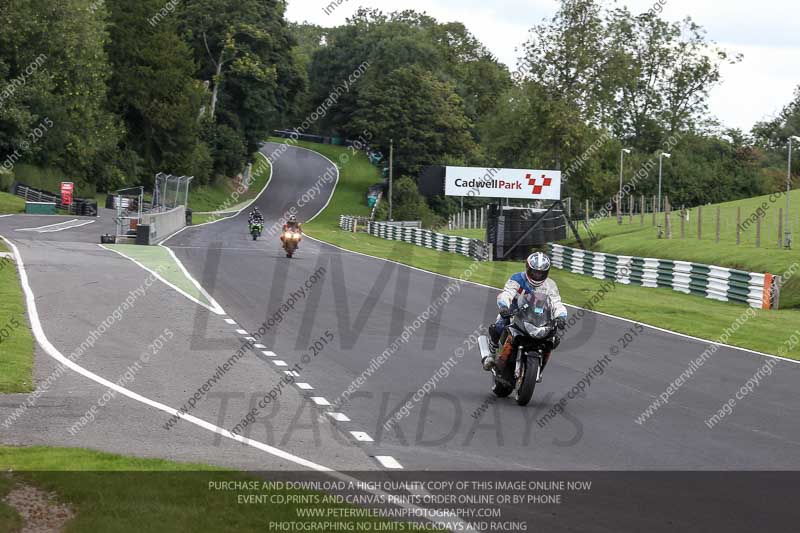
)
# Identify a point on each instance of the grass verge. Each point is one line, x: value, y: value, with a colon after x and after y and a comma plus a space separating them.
x: 158, y: 259
x: 687, y: 314
x: 11, y: 204
x: 225, y: 196
x: 123, y: 494
x: 635, y: 238
x: 16, y: 340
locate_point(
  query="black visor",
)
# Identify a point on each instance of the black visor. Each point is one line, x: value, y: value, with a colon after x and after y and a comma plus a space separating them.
x: 537, y: 275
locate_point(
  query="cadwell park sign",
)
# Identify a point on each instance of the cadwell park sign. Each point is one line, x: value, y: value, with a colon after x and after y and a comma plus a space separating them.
x: 503, y: 183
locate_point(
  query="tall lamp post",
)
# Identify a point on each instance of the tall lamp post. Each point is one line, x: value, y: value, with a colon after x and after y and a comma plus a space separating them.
x: 788, y: 235
x: 391, y: 175
x: 619, y: 198
x: 661, y: 157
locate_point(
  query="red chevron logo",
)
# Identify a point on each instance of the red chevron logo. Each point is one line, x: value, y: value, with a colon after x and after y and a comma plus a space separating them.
x: 537, y: 188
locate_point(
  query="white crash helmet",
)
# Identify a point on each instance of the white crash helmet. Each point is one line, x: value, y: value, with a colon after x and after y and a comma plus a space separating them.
x: 537, y: 268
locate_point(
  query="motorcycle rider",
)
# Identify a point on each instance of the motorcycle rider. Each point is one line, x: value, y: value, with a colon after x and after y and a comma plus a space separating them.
x: 255, y: 217
x: 535, y: 276
x: 292, y: 225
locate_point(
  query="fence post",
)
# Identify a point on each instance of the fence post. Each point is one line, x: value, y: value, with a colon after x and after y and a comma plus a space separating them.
x: 718, y: 222
x: 667, y: 222
x: 683, y: 223
x: 631, y: 202
x: 758, y: 230
x: 780, y: 228
x: 738, y: 226
x: 642, y: 209
x: 587, y: 211
x: 699, y: 222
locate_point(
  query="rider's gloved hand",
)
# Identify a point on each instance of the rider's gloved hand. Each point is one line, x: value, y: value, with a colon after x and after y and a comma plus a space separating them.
x: 561, y: 323
x: 505, y: 312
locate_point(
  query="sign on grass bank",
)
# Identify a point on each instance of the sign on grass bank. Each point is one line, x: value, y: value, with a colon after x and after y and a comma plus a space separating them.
x: 503, y: 183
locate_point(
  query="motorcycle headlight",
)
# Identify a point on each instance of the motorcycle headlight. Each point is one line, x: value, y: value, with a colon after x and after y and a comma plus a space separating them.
x: 535, y: 331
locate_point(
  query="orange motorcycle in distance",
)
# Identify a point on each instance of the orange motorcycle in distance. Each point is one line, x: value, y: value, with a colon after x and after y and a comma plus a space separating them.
x: 291, y: 240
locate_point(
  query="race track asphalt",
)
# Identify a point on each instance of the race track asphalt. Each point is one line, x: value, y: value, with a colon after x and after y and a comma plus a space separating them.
x: 366, y: 303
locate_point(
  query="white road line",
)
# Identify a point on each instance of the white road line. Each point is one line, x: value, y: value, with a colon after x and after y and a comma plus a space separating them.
x: 268, y: 353
x: 278, y: 362
x: 387, y: 461
x: 252, y: 339
x: 215, y: 308
x: 683, y: 335
x: 4, y: 216
x: 230, y: 321
x: 304, y: 386
x: 242, y: 332
x: 360, y: 436
x: 68, y: 227
x: 320, y: 401
x: 259, y: 346
x: 52, y: 351
x: 291, y: 373
x: 49, y: 225
x: 339, y: 417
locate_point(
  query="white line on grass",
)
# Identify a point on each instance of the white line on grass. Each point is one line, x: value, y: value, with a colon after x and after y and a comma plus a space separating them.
x: 214, y: 307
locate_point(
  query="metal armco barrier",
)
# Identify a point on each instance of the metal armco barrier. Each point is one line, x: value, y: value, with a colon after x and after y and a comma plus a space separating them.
x: 714, y: 282
x: 473, y: 248
x: 79, y: 206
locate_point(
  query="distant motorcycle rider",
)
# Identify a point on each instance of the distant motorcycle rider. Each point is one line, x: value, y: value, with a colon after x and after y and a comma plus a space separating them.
x: 255, y: 217
x: 292, y: 225
x: 535, y: 277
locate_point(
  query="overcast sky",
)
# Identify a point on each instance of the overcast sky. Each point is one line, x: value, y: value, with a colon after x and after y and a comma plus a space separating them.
x: 764, y: 31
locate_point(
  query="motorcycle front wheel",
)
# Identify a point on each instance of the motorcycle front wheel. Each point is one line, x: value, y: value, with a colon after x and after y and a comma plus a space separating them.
x: 528, y: 380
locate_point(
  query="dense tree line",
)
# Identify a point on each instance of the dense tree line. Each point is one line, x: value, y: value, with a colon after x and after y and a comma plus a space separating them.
x: 122, y: 90
x: 134, y: 88
x: 592, y: 80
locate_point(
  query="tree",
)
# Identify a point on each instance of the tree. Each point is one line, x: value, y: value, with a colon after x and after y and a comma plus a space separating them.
x: 154, y: 91
x: 423, y: 115
x: 244, y: 49
x: 68, y: 87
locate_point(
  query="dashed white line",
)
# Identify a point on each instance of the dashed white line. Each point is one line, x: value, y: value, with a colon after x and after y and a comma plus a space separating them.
x: 230, y: 321
x: 360, y: 436
x: 291, y: 373
x: 278, y: 362
x: 319, y: 400
x: 242, y: 332
x: 269, y: 354
x: 388, y: 462
x: 253, y: 339
x: 339, y: 417
x: 259, y: 346
x: 304, y: 386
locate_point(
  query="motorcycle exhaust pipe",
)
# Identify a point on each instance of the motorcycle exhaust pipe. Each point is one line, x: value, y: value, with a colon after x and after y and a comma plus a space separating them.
x: 483, y: 344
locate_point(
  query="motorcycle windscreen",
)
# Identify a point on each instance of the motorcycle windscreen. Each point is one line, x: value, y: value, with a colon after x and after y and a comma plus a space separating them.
x: 535, y: 308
